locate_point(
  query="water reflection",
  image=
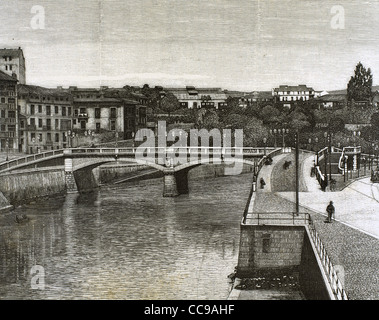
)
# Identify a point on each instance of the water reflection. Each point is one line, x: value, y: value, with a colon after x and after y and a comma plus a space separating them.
x: 127, y: 242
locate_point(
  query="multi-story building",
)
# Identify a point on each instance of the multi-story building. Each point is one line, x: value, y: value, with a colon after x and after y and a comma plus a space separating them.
x: 12, y: 62
x: 288, y: 94
x: 8, y: 113
x: 102, y: 110
x: 45, y: 118
x: 255, y: 98
x: 196, y: 98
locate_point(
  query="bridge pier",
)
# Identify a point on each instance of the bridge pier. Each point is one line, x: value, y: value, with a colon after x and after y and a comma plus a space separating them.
x: 71, y: 186
x: 175, y: 183
x: 170, y: 188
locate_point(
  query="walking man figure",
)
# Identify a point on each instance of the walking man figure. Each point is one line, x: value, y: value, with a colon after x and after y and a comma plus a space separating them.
x: 330, y: 210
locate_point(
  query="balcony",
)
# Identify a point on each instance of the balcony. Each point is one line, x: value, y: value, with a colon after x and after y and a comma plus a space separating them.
x: 83, y: 116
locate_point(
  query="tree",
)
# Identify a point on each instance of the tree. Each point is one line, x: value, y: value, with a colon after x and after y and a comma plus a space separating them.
x: 169, y: 103
x: 359, y: 86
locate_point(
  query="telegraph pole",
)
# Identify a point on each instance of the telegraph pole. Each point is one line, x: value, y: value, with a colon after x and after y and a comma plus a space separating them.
x: 297, y: 170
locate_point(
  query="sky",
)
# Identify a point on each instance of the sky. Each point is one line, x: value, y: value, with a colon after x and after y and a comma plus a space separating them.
x: 242, y: 45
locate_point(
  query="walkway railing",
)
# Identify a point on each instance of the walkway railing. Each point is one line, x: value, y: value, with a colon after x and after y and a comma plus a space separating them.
x: 278, y: 218
x: 335, y: 283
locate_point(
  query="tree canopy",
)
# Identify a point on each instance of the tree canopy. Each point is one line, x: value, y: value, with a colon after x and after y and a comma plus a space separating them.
x: 360, y: 84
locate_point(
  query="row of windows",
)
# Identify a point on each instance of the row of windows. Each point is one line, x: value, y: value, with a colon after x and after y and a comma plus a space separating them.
x: 295, y: 92
x: 7, y: 114
x: 9, y: 127
x: 35, y: 97
x: 41, y: 138
x: 9, y: 67
x: 83, y: 125
x: 293, y: 98
x: 65, y: 125
x: 10, y: 93
x: 83, y: 111
x: 65, y: 111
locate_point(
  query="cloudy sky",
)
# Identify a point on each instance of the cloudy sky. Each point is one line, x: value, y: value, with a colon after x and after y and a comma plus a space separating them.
x: 234, y: 44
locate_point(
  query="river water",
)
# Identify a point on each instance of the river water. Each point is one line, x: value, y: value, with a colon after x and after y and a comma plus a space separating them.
x: 126, y: 242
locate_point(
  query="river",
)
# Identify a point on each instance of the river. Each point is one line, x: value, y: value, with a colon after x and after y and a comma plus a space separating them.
x: 126, y: 242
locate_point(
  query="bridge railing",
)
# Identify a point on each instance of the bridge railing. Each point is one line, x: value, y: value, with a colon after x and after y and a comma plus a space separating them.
x: 335, y: 283
x: 189, y: 150
x: 219, y: 151
x: 30, y: 159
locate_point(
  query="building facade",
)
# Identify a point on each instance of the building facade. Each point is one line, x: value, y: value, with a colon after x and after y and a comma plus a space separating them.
x: 8, y: 113
x: 196, y: 98
x: 288, y: 94
x: 12, y: 62
x: 104, y: 110
x: 45, y: 118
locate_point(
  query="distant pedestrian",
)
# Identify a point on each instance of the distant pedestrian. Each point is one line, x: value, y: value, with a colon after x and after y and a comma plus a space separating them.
x: 330, y: 210
x: 263, y: 183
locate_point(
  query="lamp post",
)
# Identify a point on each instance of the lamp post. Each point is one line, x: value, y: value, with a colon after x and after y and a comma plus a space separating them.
x: 297, y: 171
x: 356, y: 134
x: 273, y: 132
x: 264, y: 142
x: 7, y: 148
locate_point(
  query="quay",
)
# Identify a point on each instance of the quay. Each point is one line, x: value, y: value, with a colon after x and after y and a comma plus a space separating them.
x: 350, y: 244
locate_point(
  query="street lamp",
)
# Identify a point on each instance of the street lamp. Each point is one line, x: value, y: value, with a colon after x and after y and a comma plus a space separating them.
x: 7, y: 148
x: 297, y: 170
x: 356, y: 133
x: 264, y: 142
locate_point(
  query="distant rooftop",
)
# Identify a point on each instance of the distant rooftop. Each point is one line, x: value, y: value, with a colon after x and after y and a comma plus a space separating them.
x: 6, y: 77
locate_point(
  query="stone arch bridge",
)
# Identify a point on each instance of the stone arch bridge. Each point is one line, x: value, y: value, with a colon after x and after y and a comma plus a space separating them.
x: 174, y: 162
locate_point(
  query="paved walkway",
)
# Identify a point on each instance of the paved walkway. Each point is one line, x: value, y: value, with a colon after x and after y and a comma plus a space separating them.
x: 352, y: 241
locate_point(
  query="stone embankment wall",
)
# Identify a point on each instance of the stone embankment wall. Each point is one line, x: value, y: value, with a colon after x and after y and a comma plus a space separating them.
x: 22, y: 186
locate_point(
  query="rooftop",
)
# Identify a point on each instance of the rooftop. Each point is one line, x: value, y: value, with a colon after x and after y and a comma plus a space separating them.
x: 6, y: 77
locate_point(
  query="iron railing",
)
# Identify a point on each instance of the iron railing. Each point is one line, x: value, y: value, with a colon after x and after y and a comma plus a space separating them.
x: 336, y: 285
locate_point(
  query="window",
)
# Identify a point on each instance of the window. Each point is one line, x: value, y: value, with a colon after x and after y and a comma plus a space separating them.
x: 266, y: 243
x: 2, y: 127
x: 10, y: 67
x: 56, y: 124
x: 97, y: 113
x: 39, y: 109
x: 82, y: 110
x: 82, y: 124
x: 48, y: 110
x: 57, y: 137
x: 48, y: 137
x: 40, y: 123
x: 32, y: 110
x: 113, y: 113
x: 56, y: 110
x: 97, y: 126
x: 69, y: 111
x: 32, y: 135
x: 32, y: 121
x: 2, y: 100
x: 64, y: 111
x: 11, y: 114
x: 11, y: 128
x: 113, y: 125
x: 48, y: 124
x: 22, y: 124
